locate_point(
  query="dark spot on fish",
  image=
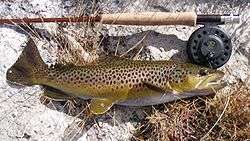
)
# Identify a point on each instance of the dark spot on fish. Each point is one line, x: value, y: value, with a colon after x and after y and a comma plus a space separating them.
x: 155, y: 80
x: 130, y: 85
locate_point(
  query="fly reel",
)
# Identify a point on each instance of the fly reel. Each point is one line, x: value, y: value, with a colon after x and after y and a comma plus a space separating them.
x: 209, y: 46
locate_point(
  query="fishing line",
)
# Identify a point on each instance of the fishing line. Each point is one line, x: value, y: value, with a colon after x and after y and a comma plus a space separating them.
x: 222, y: 113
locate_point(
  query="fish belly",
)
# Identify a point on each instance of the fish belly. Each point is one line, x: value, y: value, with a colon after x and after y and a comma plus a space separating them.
x: 159, y: 99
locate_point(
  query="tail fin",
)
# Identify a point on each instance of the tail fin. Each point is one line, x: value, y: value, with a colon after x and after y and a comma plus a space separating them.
x: 28, y: 66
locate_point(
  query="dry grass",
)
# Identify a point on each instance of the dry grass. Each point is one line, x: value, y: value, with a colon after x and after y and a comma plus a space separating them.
x: 78, y: 51
x: 224, y: 117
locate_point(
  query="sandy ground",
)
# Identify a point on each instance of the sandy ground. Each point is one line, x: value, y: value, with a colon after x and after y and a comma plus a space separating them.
x: 23, y: 117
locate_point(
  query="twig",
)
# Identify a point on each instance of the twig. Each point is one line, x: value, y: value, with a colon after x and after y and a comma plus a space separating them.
x: 136, y: 45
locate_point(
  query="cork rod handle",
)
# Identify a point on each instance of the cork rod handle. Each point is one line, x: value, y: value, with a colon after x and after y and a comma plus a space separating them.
x: 150, y: 18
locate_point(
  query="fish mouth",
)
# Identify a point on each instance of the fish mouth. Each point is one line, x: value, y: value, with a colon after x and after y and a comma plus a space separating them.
x: 212, y: 82
x: 215, y: 78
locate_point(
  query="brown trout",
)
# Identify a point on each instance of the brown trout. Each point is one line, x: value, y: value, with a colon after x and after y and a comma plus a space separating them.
x: 114, y: 80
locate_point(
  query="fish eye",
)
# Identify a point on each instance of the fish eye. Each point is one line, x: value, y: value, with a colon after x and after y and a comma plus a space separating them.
x: 203, y: 72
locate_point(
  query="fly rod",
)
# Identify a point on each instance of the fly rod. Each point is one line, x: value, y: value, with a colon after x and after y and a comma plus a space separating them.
x: 143, y: 19
x: 209, y: 45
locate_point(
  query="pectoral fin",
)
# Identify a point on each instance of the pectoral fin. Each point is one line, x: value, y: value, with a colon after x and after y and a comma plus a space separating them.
x: 176, y: 89
x: 157, y: 88
x: 100, y: 106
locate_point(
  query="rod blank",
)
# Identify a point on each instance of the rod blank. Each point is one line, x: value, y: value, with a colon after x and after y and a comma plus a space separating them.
x: 47, y: 20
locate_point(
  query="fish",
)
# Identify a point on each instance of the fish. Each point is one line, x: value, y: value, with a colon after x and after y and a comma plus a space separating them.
x: 114, y: 80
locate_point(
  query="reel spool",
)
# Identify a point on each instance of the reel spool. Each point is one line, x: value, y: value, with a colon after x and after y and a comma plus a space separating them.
x: 209, y: 46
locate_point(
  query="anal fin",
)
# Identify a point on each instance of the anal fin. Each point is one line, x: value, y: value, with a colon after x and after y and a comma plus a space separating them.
x: 55, y: 94
x: 100, y: 106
